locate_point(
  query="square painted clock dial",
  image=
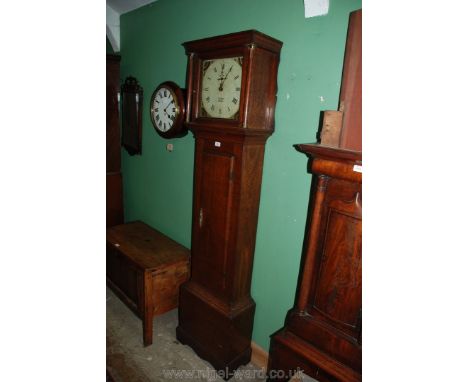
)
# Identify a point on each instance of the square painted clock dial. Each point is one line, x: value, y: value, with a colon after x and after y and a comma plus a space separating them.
x: 221, y: 88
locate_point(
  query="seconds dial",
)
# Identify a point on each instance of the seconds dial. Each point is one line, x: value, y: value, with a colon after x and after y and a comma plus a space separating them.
x: 221, y: 87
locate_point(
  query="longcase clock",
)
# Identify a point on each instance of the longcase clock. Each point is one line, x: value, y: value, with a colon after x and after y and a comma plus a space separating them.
x: 231, y: 97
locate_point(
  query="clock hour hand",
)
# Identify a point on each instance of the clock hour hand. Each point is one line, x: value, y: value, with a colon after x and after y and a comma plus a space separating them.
x: 221, y: 82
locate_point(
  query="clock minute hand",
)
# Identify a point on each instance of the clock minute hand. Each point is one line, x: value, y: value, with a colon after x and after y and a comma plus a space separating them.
x: 224, y: 79
x: 169, y: 104
x: 229, y: 71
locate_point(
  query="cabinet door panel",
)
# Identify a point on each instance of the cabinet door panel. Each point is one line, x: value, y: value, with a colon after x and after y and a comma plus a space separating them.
x: 213, y: 223
x: 339, y: 284
x: 336, y: 291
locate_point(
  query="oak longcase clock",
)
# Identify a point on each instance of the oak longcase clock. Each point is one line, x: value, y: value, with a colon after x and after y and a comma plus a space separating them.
x: 231, y: 97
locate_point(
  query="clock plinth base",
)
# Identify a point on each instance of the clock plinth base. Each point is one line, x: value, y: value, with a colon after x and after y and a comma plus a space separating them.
x: 220, y: 335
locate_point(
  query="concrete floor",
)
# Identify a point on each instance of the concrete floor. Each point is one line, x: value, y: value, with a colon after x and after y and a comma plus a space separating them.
x: 129, y: 361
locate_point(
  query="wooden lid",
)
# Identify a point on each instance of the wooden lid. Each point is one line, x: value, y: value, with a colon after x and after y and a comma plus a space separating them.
x: 146, y: 247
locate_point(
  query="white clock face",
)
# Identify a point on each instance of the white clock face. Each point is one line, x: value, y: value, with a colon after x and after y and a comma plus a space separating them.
x: 221, y: 87
x: 164, y: 109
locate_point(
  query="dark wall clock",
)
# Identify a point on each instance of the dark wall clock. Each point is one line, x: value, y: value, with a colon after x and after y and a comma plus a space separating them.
x: 132, y: 102
x: 167, y: 110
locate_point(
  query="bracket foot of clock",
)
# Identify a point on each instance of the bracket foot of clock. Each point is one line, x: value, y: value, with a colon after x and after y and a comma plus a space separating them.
x: 218, y: 335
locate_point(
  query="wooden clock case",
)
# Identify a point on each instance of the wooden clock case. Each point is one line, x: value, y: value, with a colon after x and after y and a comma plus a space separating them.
x: 216, y: 310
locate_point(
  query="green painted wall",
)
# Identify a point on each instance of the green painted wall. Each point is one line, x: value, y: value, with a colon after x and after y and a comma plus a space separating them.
x: 158, y: 184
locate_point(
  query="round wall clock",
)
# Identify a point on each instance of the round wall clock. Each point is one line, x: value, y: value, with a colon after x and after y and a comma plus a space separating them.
x: 167, y: 110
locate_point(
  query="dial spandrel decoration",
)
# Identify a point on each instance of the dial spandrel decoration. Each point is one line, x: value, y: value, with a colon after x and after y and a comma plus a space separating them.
x: 221, y: 88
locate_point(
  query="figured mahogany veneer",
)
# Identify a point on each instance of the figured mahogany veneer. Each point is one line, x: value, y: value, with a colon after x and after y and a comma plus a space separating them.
x: 322, y: 334
x: 216, y: 310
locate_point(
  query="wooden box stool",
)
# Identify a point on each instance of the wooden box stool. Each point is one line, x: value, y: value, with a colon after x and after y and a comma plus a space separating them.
x: 145, y: 269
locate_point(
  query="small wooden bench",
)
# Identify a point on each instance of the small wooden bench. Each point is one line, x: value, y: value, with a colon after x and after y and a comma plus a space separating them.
x: 145, y: 269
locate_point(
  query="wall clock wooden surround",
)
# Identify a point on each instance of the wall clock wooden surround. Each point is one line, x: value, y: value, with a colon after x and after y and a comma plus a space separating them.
x: 231, y: 97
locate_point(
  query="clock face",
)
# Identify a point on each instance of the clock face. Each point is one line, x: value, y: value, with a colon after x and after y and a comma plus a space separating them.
x: 221, y: 88
x: 164, y: 109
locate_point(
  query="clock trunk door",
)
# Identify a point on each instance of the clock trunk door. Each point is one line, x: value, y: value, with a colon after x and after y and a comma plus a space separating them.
x: 213, y: 216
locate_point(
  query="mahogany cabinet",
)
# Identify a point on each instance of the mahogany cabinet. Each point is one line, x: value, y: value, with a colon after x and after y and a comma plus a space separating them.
x: 322, y: 334
x: 114, y: 204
